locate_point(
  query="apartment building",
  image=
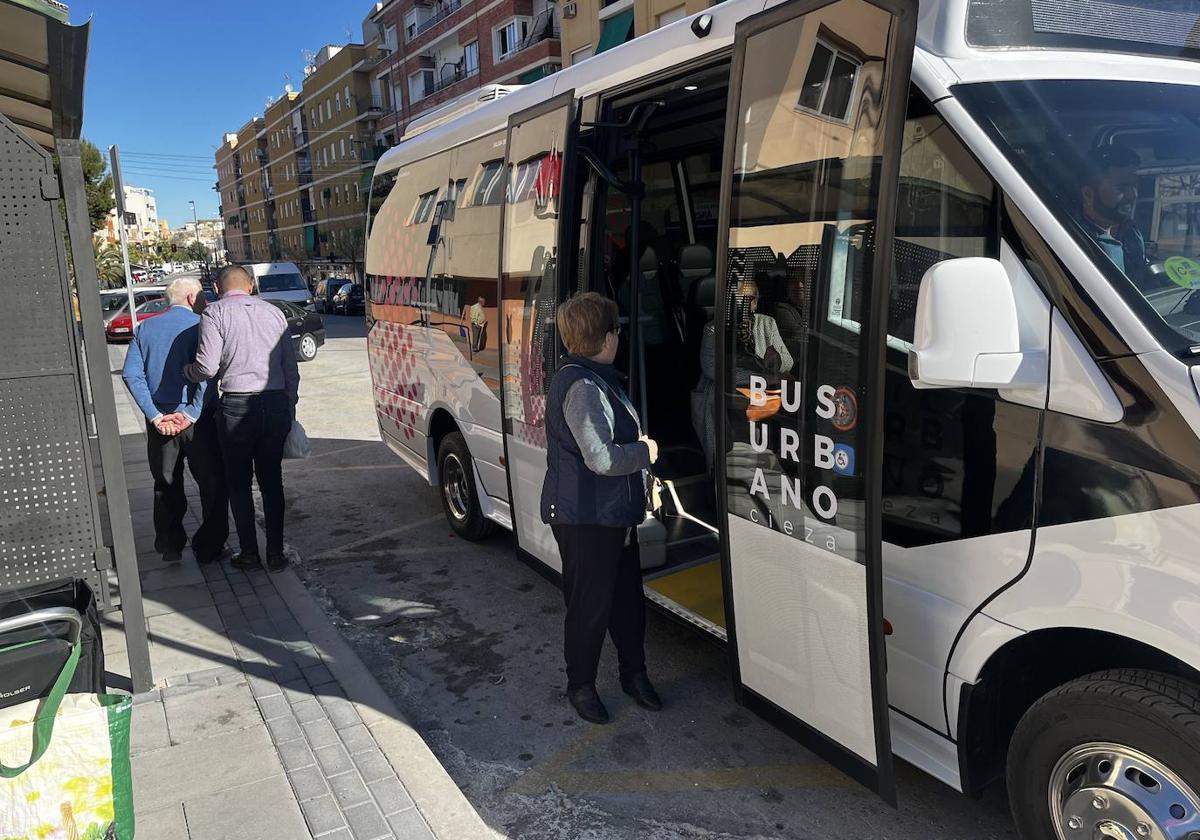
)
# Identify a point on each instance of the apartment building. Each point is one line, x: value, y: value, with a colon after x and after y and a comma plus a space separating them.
x: 294, y: 182
x: 433, y: 51
x: 142, y: 224
x: 593, y: 26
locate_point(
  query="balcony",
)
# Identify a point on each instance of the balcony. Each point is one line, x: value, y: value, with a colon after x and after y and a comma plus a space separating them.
x: 441, y: 11
x: 452, y: 74
x: 370, y: 105
x: 543, y: 28
x: 300, y: 136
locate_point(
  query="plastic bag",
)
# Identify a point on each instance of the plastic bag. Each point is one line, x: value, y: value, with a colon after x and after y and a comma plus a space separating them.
x: 297, y: 445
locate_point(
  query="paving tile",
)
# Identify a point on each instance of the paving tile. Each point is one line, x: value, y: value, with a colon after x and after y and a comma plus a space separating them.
x: 308, y: 782
x: 198, y: 768
x: 166, y: 822
x: 148, y: 728
x: 390, y: 795
x: 357, y: 738
x: 349, y: 789
x: 366, y: 821
x: 226, y: 708
x: 410, y: 825
x: 322, y: 814
x: 334, y: 760
x: 250, y: 812
x: 320, y: 733
x: 296, y: 755
x: 273, y: 706
x: 177, y: 574
x: 340, y: 834
x: 284, y: 729
x: 317, y: 674
x: 341, y: 711
x: 373, y: 766
x: 308, y: 710
x: 177, y: 599
x: 262, y: 686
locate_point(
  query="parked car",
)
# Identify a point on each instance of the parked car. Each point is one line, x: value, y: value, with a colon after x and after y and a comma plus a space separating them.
x: 326, y: 289
x: 349, y: 300
x: 307, y: 329
x: 120, y: 328
x: 116, y: 301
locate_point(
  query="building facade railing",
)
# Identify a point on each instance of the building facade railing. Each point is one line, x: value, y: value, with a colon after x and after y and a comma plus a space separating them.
x: 443, y: 11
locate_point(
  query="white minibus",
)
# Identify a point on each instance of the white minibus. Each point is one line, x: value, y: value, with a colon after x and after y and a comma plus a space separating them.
x: 949, y: 510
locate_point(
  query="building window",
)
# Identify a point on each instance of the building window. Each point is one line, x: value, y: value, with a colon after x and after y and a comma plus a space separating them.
x: 672, y: 15
x: 337, y: 104
x: 389, y: 38
x: 581, y: 54
x: 829, y: 83
x: 328, y: 110
x: 342, y: 146
x: 420, y: 84
x: 507, y: 39
x: 410, y: 24
x: 471, y: 58
x: 346, y: 94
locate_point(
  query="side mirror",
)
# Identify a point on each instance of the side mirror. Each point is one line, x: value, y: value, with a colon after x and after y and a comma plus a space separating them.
x: 968, y: 330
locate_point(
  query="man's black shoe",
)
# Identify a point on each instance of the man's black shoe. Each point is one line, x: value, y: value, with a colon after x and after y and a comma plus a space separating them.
x: 276, y: 563
x: 587, y: 704
x: 639, y: 688
x: 172, y: 556
x: 203, y: 559
x: 242, y: 560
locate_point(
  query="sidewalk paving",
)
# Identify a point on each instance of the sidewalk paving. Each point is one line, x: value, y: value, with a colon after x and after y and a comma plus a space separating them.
x: 263, y: 722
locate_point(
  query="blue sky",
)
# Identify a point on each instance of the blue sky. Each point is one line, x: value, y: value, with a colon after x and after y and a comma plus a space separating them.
x: 166, y: 79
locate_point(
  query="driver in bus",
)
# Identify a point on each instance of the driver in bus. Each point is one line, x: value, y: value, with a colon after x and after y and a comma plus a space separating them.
x: 1107, y: 199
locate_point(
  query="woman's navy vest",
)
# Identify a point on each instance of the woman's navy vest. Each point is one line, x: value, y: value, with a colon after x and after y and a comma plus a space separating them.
x: 572, y: 494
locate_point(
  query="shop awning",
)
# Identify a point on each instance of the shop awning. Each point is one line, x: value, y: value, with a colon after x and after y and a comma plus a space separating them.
x: 42, y: 60
x: 615, y: 30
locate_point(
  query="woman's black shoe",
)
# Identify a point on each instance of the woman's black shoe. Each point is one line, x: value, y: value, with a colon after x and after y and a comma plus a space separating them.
x: 587, y: 704
x: 639, y: 688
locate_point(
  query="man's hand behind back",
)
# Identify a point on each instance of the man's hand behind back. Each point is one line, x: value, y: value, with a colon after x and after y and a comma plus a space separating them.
x: 172, y: 424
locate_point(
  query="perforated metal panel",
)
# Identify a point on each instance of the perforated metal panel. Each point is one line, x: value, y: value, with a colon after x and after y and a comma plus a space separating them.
x: 48, y: 516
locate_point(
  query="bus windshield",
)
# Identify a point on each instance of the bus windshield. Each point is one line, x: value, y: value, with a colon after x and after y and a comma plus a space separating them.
x: 1120, y: 164
x: 288, y: 281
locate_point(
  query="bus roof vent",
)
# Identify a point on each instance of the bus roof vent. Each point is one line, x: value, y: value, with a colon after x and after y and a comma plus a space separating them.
x: 456, y: 108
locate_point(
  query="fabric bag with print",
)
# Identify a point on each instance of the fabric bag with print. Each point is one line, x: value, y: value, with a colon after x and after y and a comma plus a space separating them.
x: 64, y: 765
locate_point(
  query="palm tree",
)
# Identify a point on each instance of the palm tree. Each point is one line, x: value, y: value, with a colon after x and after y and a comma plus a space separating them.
x: 110, y: 268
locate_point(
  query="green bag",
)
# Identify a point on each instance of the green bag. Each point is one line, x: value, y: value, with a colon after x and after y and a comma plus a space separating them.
x: 64, y: 765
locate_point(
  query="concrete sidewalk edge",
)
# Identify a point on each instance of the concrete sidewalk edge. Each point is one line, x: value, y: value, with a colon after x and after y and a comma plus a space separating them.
x: 434, y: 793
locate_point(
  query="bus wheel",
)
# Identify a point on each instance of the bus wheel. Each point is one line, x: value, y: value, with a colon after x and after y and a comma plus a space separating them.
x: 459, y: 499
x: 1112, y: 754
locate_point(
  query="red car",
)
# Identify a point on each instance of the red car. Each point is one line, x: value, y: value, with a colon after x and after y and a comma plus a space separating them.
x: 120, y: 327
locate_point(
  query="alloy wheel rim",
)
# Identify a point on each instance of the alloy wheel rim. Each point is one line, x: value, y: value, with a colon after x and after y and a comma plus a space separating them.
x: 1106, y: 791
x: 454, y: 486
x: 308, y: 346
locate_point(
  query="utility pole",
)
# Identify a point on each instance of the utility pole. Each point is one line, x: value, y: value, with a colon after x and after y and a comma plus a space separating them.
x: 196, y: 223
x: 119, y: 188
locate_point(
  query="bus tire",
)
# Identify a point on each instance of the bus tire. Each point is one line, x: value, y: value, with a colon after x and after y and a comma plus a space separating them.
x: 1114, y: 748
x: 456, y: 480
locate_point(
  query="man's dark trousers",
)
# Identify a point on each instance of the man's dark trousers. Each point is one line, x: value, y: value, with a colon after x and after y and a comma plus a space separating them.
x: 198, y: 446
x: 253, y: 429
x: 602, y: 586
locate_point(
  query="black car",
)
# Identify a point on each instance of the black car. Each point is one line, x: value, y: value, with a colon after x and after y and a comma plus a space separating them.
x: 349, y: 300
x: 307, y: 329
x: 325, y: 291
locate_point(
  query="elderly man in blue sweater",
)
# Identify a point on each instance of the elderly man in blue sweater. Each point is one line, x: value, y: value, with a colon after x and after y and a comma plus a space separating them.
x: 180, y: 426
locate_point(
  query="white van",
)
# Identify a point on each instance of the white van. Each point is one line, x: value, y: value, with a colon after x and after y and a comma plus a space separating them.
x: 952, y: 515
x: 280, y: 281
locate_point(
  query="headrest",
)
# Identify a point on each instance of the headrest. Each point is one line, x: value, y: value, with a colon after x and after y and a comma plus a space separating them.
x: 695, y: 261
x: 649, y: 262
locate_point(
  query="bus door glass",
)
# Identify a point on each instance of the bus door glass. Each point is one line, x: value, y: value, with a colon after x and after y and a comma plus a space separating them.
x: 816, y: 114
x: 535, y: 156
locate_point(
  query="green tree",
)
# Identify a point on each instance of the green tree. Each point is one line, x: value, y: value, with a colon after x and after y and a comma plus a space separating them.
x: 98, y: 184
x: 109, y: 267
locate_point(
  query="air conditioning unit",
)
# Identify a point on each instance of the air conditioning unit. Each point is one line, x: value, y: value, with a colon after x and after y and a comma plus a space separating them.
x: 569, y: 10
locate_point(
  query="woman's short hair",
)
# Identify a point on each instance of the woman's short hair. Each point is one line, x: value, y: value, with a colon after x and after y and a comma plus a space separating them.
x: 583, y: 321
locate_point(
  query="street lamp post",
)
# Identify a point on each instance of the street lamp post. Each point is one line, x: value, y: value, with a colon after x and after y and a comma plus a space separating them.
x: 196, y: 224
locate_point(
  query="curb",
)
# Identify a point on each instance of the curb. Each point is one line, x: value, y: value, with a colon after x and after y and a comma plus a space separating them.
x: 449, y: 814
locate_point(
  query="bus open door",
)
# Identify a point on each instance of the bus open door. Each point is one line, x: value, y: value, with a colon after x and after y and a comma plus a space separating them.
x: 815, y: 120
